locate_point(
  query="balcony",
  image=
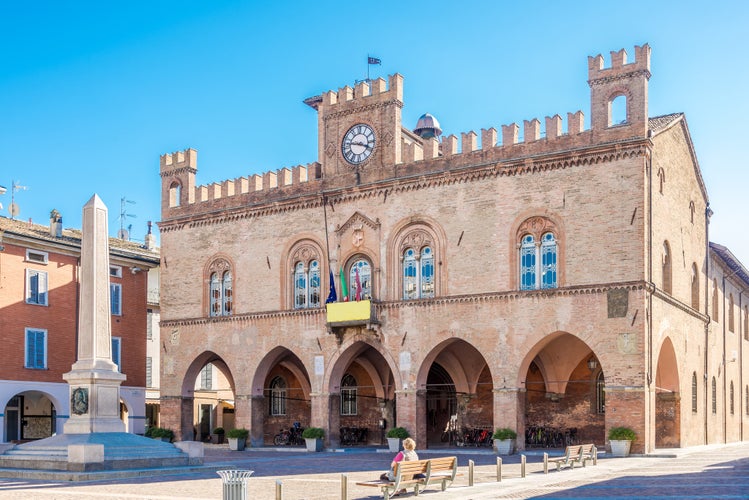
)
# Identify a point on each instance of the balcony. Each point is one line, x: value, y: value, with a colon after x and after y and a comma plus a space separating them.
x: 346, y: 314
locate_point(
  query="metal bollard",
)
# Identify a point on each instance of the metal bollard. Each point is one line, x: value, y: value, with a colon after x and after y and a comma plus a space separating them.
x: 344, y: 487
x: 234, y: 483
x: 279, y: 490
x: 546, y: 463
x: 522, y: 465
x: 470, y: 473
x: 499, y: 469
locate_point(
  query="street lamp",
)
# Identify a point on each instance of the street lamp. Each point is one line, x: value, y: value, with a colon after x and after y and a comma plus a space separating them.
x: 592, y: 364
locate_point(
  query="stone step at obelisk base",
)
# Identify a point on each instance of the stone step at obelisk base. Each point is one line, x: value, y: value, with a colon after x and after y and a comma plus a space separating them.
x: 93, y: 437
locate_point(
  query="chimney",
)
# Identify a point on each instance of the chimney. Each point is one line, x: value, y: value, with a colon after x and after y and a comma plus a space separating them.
x: 55, y: 224
x: 150, y: 238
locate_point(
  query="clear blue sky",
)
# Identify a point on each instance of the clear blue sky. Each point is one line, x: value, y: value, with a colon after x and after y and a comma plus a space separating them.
x: 91, y: 93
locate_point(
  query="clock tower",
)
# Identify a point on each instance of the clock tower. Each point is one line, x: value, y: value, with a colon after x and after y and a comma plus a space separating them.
x: 359, y: 131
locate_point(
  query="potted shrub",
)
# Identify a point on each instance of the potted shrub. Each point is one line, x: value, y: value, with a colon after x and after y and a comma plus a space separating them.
x: 219, y: 433
x: 395, y: 436
x: 237, y: 439
x: 313, y: 437
x: 504, y: 441
x: 621, y: 439
x: 160, y: 433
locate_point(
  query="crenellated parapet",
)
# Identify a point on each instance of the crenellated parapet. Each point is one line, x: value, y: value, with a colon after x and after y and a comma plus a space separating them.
x: 364, y: 95
x: 399, y: 153
x: 180, y: 195
x: 619, y: 68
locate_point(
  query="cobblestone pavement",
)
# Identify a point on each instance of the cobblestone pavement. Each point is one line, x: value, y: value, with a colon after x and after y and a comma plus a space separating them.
x: 706, y: 472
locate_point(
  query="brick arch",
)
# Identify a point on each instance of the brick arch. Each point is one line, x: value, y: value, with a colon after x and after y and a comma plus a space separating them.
x: 667, y: 397
x: 667, y: 371
x: 434, y: 235
x: 175, y: 192
x: 621, y: 91
x: 546, y: 353
x: 305, y: 246
x: 461, y: 360
x: 349, y: 352
x: 284, y: 356
x: 193, y: 370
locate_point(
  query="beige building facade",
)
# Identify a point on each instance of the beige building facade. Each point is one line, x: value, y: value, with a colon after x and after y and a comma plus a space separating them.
x: 560, y: 284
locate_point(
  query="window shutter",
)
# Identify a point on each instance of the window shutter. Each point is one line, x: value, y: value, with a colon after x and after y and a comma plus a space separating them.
x: 116, y: 352
x: 30, y: 346
x: 42, y: 288
x: 115, y: 298
x: 39, y: 349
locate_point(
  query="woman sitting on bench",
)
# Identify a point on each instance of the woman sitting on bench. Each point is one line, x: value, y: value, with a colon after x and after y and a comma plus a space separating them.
x: 408, y: 454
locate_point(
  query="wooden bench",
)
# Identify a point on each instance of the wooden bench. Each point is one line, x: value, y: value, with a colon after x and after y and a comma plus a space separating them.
x: 571, y: 455
x: 404, y: 477
x: 589, y: 452
x: 442, y: 470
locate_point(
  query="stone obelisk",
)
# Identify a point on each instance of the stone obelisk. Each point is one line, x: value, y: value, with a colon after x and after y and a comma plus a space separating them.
x: 94, y: 379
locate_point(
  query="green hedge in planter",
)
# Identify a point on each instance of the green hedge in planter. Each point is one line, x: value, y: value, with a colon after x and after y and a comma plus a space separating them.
x: 313, y: 433
x: 238, y: 433
x: 160, y: 432
x: 398, y: 432
x: 504, y: 433
x: 621, y: 434
x: 218, y: 430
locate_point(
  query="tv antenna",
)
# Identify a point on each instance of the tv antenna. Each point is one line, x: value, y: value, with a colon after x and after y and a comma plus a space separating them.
x: 13, y: 208
x: 124, y: 234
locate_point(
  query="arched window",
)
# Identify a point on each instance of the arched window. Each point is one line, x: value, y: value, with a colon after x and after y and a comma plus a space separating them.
x: 715, y: 300
x: 538, y: 256
x: 348, y: 395
x: 278, y: 396
x: 618, y: 111
x: 600, y: 393
x: 715, y: 397
x: 360, y: 280
x: 695, y: 288
x: 691, y: 212
x: 175, y: 194
x: 661, y: 179
x: 730, y: 397
x: 694, y: 392
x: 220, y: 289
x: 532, y: 252
x: 307, y: 285
x: 730, y: 313
x: 418, y: 274
x: 666, y: 267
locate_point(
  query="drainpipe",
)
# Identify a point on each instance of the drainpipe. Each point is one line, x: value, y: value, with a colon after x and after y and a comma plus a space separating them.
x: 723, y: 360
x: 741, y: 370
x: 649, y: 315
x: 708, y: 213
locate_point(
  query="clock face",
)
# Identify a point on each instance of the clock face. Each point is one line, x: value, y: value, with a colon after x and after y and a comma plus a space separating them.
x: 358, y: 144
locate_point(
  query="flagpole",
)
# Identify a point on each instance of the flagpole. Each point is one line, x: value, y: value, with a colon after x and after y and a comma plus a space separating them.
x: 331, y: 292
x: 368, y: 65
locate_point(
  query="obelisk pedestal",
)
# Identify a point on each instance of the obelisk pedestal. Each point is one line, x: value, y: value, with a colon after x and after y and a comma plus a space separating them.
x: 94, y: 379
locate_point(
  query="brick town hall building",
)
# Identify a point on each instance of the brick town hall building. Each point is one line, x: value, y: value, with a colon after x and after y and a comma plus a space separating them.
x: 564, y: 280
